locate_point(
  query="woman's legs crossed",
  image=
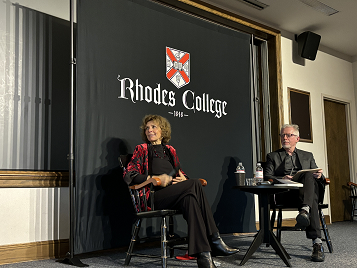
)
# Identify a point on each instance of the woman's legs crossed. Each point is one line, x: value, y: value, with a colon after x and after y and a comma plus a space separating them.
x: 189, y: 197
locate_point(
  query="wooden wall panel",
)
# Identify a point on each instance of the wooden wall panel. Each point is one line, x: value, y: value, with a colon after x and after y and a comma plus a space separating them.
x: 33, y: 179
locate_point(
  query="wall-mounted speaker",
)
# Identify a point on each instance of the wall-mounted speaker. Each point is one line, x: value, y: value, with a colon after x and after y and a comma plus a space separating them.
x: 308, y: 44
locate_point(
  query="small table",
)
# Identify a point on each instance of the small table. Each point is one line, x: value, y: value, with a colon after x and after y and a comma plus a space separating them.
x: 265, y: 234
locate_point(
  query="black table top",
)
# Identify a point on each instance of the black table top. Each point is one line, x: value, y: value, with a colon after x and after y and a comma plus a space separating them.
x: 265, y: 188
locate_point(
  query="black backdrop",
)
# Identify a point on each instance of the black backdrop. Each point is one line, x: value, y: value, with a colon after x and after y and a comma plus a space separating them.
x: 122, y: 49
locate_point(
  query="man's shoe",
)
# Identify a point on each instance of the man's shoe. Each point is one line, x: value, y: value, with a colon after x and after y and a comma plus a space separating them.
x: 302, y: 220
x: 219, y: 248
x: 318, y: 253
x: 204, y: 260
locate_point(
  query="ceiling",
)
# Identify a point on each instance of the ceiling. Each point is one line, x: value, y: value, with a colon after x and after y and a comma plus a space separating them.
x: 338, y: 31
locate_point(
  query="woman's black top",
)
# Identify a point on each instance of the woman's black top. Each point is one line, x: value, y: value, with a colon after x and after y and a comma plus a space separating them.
x: 160, y: 161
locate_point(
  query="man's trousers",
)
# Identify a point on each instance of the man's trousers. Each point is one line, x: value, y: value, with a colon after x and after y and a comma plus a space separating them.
x: 307, y: 195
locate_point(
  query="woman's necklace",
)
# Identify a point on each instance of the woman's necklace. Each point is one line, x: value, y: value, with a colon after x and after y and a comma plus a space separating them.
x: 163, y: 153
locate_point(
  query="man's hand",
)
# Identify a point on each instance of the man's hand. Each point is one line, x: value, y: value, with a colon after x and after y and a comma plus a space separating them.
x: 178, y: 179
x: 287, y: 177
x: 318, y: 174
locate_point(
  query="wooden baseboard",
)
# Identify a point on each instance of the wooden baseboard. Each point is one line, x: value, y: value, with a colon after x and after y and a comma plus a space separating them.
x: 291, y: 222
x: 33, y: 251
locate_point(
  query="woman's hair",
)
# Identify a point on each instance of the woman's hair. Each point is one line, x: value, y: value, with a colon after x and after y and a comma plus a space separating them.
x: 163, y: 124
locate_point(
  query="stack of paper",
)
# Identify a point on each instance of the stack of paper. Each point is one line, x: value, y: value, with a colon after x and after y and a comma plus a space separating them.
x: 313, y: 170
x: 285, y: 182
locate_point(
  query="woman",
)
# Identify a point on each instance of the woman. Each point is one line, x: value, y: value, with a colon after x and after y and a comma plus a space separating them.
x: 156, y: 158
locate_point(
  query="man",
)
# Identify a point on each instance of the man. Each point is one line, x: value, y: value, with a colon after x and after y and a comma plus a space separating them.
x: 284, y: 163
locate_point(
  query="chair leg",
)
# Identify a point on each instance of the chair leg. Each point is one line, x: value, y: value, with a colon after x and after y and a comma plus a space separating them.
x: 272, y: 219
x: 171, y: 234
x: 272, y: 222
x: 353, y: 209
x: 279, y: 223
x: 163, y: 242
x: 325, y: 230
x: 134, y: 238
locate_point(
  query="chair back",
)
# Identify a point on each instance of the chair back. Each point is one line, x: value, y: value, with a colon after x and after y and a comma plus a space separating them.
x: 124, y: 160
x: 322, y: 186
x: 353, y: 189
x: 142, y: 193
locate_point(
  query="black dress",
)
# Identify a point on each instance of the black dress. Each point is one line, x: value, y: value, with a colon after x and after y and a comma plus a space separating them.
x: 189, y: 197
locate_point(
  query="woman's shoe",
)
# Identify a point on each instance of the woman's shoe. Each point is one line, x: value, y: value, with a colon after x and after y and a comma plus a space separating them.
x: 204, y: 260
x: 219, y: 248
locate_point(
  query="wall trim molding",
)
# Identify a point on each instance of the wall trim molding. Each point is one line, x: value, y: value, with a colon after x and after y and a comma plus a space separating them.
x: 231, y: 16
x: 33, y: 251
x: 33, y: 179
x: 290, y: 222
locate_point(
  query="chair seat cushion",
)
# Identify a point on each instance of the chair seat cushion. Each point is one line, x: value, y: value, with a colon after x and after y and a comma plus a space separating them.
x: 157, y: 213
x: 285, y: 207
x: 321, y: 206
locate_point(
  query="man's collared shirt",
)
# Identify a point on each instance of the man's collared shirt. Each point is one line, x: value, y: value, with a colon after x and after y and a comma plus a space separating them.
x: 291, y: 164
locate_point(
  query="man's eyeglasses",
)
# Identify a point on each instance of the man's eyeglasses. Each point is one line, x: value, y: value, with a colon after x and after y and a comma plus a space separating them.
x: 287, y: 135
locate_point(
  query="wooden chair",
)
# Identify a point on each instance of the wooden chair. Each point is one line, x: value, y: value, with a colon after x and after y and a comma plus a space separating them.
x: 353, y: 196
x: 141, y: 194
x: 280, y: 207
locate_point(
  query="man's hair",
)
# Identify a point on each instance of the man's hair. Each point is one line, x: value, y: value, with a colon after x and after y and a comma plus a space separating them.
x: 295, y: 127
x: 163, y: 124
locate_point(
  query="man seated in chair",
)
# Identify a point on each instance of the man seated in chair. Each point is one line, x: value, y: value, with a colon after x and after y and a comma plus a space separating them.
x: 284, y: 163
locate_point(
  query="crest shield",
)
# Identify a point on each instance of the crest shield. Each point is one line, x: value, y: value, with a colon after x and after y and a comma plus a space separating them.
x: 177, y: 67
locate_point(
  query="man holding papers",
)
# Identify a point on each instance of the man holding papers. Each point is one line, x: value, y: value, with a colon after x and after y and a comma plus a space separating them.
x: 290, y: 163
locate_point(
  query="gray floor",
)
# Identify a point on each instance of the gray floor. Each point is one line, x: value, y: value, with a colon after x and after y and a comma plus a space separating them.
x: 343, y: 236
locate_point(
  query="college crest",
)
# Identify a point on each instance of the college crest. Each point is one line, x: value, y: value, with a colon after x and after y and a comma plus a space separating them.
x: 177, y: 67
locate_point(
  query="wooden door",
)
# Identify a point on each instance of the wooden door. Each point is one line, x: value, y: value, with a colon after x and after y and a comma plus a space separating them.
x: 338, y: 159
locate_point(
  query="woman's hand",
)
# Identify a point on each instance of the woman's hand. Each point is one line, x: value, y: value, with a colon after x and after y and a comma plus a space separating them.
x: 165, y: 179
x: 178, y: 179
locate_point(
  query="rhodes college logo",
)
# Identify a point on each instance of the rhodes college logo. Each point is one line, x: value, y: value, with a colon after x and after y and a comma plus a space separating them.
x: 177, y: 67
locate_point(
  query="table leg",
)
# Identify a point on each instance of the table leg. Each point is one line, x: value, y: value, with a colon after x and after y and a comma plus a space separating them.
x: 279, y: 249
x: 265, y: 234
x: 258, y: 240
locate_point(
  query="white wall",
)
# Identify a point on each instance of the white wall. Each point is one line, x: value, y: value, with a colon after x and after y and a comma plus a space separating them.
x: 27, y: 214
x: 326, y: 76
x: 33, y: 215
x: 57, y: 8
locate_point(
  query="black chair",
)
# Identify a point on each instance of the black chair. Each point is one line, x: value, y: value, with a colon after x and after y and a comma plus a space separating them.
x: 353, y: 196
x: 140, y: 195
x: 280, y: 207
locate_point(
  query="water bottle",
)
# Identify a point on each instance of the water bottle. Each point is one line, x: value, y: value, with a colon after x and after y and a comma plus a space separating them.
x: 240, y: 174
x: 258, y: 177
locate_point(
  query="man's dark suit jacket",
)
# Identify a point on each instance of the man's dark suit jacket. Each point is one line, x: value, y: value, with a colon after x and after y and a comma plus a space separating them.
x: 274, y: 166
